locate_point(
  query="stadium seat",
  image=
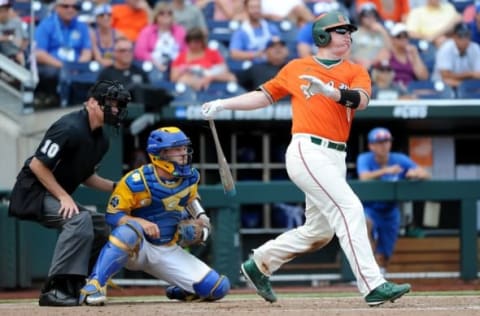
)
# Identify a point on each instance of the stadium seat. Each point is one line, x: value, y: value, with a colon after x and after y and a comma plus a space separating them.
x: 219, y: 90
x: 221, y: 30
x: 182, y: 94
x: 23, y: 9
x: 460, y: 5
x: 427, y: 53
x: 75, y: 80
x: 288, y: 30
x: 469, y: 89
x: 220, y: 47
x: 427, y: 89
x: 208, y: 10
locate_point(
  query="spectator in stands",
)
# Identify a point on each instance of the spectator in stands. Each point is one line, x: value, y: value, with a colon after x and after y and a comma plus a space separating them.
x: 404, y: 57
x: 389, y: 10
x: 123, y: 69
x: 250, y: 40
x: 371, y: 43
x: 458, y: 58
x: 162, y: 40
x: 225, y: 10
x: 60, y: 38
x: 383, y: 86
x: 294, y: 10
x: 475, y: 25
x: 276, y: 55
x: 432, y: 21
x: 383, y: 218
x: 130, y: 17
x: 12, y: 34
x: 188, y: 16
x: 103, y: 36
x: 199, y: 65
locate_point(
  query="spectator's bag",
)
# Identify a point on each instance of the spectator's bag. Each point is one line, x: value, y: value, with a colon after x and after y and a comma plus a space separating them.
x: 26, y: 200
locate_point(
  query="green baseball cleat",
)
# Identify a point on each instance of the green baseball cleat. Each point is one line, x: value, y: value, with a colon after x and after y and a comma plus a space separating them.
x: 259, y: 280
x: 388, y: 291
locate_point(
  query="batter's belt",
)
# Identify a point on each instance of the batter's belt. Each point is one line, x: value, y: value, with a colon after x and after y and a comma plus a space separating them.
x: 323, y: 142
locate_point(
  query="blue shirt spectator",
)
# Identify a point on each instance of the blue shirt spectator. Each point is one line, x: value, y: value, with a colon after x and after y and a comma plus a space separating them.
x: 64, y: 41
x: 59, y: 38
x: 383, y: 218
x: 249, y: 41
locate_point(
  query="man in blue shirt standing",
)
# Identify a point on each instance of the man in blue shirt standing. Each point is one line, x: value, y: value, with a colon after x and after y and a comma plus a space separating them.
x: 383, y: 218
x: 60, y: 38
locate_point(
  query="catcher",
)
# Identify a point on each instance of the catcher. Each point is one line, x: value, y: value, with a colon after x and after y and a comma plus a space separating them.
x: 154, y: 211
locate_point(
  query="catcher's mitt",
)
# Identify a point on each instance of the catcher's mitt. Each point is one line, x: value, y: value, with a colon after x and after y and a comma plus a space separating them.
x: 192, y: 232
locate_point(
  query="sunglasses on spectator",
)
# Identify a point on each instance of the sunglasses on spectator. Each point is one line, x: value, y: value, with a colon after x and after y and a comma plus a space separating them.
x: 165, y: 13
x: 123, y: 50
x: 69, y: 6
x: 402, y: 35
x: 384, y: 69
x: 341, y: 30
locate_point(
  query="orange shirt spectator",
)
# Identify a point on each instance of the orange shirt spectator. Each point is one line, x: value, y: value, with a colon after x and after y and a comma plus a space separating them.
x: 130, y: 18
x: 394, y: 10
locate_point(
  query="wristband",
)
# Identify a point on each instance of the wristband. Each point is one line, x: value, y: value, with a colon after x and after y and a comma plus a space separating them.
x: 349, y: 98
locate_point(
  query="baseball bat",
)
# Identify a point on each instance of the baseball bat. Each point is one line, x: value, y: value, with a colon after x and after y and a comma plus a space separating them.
x: 223, y: 168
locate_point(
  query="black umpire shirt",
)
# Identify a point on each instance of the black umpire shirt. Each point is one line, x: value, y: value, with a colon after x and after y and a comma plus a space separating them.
x: 71, y: 150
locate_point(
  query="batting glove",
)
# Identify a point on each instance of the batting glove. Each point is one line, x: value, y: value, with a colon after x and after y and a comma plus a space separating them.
x: 207, y: 227
x: 210, y: 109
x: 316, y: 86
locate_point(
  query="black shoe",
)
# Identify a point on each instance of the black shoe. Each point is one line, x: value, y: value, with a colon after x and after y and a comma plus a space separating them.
x: 56, y: 297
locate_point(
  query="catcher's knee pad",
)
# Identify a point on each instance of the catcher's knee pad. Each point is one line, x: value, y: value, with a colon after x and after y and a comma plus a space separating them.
x: 124, y: 241
x: 128, y: 237
x: 213, y: 286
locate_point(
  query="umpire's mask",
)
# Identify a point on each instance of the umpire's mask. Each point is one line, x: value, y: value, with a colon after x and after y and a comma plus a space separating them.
x: 113, y: 98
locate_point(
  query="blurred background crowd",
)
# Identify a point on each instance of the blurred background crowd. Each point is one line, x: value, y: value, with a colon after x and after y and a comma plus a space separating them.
x: 199, y: 50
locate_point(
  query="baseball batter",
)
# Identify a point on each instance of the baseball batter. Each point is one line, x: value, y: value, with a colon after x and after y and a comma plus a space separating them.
x: 146, y: 210
x: 325, y: 91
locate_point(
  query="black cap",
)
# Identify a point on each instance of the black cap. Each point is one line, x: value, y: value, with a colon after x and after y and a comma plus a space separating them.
x: 275, y: 40
x: 462, y: 29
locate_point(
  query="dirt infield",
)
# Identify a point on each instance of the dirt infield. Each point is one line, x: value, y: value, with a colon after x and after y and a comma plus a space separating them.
x: 288, y: 304
x: 450, y: 298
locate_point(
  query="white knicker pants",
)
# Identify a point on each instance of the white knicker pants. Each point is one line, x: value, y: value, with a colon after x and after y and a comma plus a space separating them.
x: 331, y: 208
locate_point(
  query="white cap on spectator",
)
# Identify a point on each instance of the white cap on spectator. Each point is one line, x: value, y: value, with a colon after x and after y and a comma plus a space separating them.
x: 397, y: 29
x: 102, y: 9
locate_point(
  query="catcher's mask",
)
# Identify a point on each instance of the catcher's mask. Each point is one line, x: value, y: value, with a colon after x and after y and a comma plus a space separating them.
x: 113, y: 98
x: 165, y: 138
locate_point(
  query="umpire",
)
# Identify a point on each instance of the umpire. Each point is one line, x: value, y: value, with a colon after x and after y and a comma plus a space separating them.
x: 68, y: 156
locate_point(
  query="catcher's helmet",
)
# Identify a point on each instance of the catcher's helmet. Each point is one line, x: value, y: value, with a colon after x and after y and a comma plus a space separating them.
x: 165, y: 138
x: 328, y: 21
x: 106, y: 91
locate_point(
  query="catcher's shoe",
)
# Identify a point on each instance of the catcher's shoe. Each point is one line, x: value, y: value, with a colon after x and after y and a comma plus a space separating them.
x: 93, y: 294
x: 175, y: 293
x: 388, y: 291
x: 259, y: 280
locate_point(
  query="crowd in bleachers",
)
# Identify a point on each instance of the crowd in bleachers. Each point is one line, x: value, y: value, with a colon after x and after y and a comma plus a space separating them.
x: 203, y: 48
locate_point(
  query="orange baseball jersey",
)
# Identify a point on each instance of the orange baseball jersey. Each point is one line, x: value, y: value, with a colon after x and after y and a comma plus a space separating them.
x: 318, y: 115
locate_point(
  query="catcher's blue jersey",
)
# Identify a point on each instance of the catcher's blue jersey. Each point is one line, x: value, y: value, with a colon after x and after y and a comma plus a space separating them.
x: 141, y: 193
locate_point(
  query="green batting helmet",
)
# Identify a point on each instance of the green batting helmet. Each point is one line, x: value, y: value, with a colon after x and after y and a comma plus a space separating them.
x: 327, y: 21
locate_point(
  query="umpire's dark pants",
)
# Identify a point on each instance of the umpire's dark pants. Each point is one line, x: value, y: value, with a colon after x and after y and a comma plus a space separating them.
x: 80, y: 240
